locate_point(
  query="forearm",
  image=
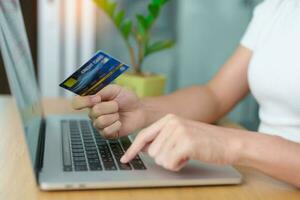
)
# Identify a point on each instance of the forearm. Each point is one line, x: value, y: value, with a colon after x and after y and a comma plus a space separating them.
x: 196, y: 103
x: 272, y: 155
x: 209, y: 102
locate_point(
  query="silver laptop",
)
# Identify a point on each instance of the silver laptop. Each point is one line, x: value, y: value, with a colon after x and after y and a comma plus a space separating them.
x: 66, y: 152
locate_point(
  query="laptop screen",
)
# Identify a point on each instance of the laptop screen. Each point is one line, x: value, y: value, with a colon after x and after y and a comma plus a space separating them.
x: 19, y: 68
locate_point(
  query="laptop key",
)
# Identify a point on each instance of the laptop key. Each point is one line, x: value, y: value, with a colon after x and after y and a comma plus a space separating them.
x: 81, y: 168
x: 89, y: 141
x: 90, y: 145
x: 79, y: 158
x: 95, y: 167
x: 106, y: 157
x: 76, y: 142
x: 91, y: 151
x: 138, y: 164
x: 92, y: 156
x: 78, y: 154
x: 125, y: 142
x: 77, y: 151
x: 67, y: 161
x: 68, y: 168
x: 89, y: 148
x: 94, y: 160
x: 118, y: 153
x: 123, y: 166
x: 80, y: 163
x: 80, y: 146
x: 110, y: 166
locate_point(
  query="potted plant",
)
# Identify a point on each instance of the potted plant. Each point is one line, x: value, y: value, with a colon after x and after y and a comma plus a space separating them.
x: 137, y: 37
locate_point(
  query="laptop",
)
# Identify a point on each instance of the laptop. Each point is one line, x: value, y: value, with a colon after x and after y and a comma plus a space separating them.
x: 66, y: 152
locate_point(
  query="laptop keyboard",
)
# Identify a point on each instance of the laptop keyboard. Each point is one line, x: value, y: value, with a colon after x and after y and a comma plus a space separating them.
x: 84, y: 149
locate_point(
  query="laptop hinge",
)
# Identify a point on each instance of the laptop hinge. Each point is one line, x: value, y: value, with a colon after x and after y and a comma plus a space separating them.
x: 40, y: 148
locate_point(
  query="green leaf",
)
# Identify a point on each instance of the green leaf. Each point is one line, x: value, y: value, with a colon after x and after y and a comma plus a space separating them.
x: 159, y: 46
x: 101, y: 3
x: 111, y: 8
x: 150, y: 20
x: 107, y: 6
x: 141, y: 25
x: 159, y: 2
x: 126, y: 27
x: 119, y: 17
x: 142, y: 21
x: 154, y: 10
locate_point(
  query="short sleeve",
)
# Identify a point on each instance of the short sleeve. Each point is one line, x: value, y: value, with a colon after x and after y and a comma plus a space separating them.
x: 252, y: 34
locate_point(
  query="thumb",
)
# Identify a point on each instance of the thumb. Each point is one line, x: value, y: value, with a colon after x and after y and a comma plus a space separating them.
x: 81, y: 102
x: 110, y: 92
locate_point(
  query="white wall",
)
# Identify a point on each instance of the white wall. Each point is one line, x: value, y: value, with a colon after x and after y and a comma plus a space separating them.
x: 66, y: 40
x: 208, y: 33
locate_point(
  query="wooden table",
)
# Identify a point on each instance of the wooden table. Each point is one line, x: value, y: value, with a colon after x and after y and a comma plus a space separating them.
x: 17, y: 180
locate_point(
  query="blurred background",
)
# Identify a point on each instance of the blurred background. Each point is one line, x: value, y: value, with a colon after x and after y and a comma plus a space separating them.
x: 65, y: 33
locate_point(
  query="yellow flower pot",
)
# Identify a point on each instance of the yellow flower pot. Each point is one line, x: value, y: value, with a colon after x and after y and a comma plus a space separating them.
x: 143, y: 86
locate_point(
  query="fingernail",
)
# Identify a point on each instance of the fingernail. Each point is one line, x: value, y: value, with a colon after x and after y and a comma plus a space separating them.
x: 95, y: 98
x: 123, y: 159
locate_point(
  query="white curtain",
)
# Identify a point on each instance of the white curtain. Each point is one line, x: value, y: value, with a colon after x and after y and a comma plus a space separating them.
x: 66, y: 30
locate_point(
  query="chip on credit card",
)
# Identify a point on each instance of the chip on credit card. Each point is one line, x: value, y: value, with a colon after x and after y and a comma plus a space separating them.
x: 94, y: 75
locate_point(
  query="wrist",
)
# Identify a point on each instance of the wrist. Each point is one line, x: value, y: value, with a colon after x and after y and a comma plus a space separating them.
x: 250, y: 150
x: 150, y: 111
x: 255, y: 149
x: 142, y: 115
x: 238, y: 144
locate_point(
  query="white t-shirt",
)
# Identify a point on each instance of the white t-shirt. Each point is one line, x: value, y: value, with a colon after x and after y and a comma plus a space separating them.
x: 274, y: 72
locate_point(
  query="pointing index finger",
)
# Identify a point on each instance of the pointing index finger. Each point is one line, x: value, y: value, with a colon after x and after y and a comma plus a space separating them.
x: 144, y: 137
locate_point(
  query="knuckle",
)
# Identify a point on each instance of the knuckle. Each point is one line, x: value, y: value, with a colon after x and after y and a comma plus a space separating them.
x: 189, y: 138
x: 180, y: 131
x: 176, y: 120
x: 171, y: 124
x: 115, y: 105
x: 97, y: 125
x: 94, y: 110
x: 187, y: 144
x: 181, y: 127
x: 151, y: 151
x: 102, y: 120
x: 171, y: 116
x: 170, y: 166
x: 106, y: 132
x: 157, y: 161
x: 179, y: 122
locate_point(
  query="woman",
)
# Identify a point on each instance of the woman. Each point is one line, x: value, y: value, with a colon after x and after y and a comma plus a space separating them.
x: 267, y: 63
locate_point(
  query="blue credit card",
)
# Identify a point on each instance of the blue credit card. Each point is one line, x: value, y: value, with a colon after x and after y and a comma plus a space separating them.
x: 94, y: 75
